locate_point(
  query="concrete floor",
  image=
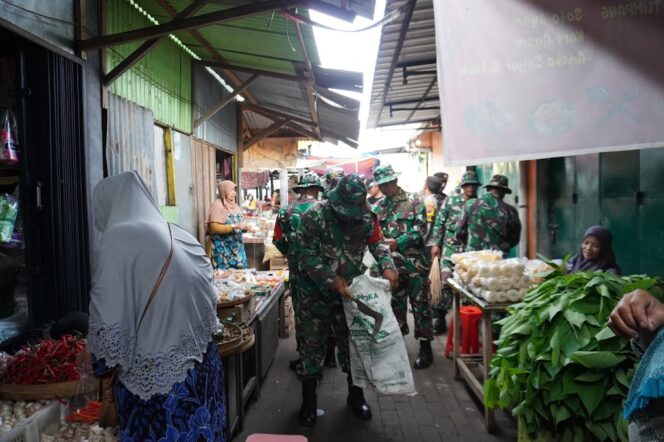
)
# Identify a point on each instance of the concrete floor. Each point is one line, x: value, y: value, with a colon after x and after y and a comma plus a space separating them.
x: 444, y: 409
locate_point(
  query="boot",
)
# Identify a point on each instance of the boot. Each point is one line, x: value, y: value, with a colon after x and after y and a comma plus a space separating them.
x: 330, y: 357
x: 309, y: 408
x: 357, y: 403
x: 293, y: 364
x: 439, y: 326
x: 425, y: 357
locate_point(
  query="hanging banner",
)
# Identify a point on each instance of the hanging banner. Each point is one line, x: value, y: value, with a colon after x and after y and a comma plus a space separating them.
x: 528, y: 79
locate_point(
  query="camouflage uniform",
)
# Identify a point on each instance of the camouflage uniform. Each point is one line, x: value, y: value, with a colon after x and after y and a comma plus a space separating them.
x: 403, y: 217
x: 331, y: 248
x: 490, y: 223
x: 285, y: 231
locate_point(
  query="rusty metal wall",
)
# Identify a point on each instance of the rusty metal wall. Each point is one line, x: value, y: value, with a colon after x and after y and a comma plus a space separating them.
x: 220, y: 129
x: 130, y: 141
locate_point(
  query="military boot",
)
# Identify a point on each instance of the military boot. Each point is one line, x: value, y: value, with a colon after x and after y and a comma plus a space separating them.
x: 356, y: 401
x: 309, y: 408
x: 425, y: 356
x: 330, y: 357
x: 293, y: 364
x: 439, y: 326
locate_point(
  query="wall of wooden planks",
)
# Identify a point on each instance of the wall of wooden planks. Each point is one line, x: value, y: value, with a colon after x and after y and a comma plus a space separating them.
x: 203, y: 164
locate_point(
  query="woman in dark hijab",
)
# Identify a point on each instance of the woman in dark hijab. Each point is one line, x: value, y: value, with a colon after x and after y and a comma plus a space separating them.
x: 596, y: 254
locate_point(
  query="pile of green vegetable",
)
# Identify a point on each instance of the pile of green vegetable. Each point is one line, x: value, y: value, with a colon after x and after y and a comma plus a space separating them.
x: 561, y: 370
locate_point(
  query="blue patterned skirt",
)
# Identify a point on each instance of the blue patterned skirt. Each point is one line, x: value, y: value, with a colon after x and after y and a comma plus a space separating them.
x: 193, y: 411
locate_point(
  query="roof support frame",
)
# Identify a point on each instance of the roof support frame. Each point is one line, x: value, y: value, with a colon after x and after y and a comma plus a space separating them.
x: 265, y: 133
x: 417, y: 106
x: 224, y: 101
x: 234, y: 79
x: 148, y: 45
x: 397, y: 51
x: 309, y: 83
x: 185, y: 24
x: 274, y: 115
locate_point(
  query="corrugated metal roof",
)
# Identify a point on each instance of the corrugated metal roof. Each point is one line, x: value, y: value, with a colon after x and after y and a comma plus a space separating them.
x: 268, y: 42
x: 130, y: 143
x: 419, y: 51
x: 221, y: 128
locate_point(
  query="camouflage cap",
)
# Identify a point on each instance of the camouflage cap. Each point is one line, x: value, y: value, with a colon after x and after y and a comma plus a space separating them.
x: 310, y: 180
x: 385, y: 174
x: 349, y: 197
x: 500, y: 182
x: 470, y: 177
x: 335, y: 173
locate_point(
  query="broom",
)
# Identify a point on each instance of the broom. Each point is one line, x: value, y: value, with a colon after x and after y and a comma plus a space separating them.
x: 436, y: 289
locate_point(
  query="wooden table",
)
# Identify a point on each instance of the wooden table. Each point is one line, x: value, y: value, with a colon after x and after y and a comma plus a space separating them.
x: 463, y: 363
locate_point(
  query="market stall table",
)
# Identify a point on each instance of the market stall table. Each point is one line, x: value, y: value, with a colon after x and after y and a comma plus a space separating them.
x: 463, y: 363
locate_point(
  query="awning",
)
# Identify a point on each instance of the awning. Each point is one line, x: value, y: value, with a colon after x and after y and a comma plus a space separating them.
x: 265, y: 54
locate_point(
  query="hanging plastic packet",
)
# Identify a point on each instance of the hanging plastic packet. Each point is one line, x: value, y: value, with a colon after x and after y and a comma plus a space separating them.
x: 8, y: 214
x: 8, y: 140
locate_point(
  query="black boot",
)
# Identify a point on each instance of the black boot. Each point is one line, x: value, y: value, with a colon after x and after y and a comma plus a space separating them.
x: 439, y: 326
x: 309, y: 408
x: 357, y: 403
x: 330, y: 357
x: 293, y: 364
x: 425, y: 357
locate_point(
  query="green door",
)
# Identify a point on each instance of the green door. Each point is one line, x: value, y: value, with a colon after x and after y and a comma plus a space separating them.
x: 560, y: 194
x: 651, y: 212
x: 619, y: 184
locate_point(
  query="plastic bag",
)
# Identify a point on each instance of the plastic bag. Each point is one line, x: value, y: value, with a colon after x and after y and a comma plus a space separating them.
x: 381, y: 361
x: 8, y: 142
x: 8, y: 214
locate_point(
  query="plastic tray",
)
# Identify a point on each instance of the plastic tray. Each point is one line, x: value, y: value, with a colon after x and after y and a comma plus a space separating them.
x: 31, y: 428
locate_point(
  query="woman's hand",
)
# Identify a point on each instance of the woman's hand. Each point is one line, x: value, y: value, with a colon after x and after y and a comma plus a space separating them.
x: 638, y: 314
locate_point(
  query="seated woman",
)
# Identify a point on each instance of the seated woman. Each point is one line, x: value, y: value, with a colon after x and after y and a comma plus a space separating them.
x: 596, y: 254
x: 249, y: 204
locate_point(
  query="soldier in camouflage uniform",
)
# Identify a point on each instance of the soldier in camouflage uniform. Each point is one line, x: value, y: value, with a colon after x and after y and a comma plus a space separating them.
x: 489, y: 223
x: 444, y: 237
x: 402, y: 217
x: 284, y: 237
x: 332, y: 177
x: 333, y: 237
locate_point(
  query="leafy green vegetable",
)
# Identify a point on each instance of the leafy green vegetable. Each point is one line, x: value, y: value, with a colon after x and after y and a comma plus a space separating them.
x: 560, y: 369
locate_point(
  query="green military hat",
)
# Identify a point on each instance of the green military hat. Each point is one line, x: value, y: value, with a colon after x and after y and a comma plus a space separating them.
x: 309, y: 180
x: 469, y: 177
x: 385, y: 174
x: 500, y: 182
x: 349, y: 197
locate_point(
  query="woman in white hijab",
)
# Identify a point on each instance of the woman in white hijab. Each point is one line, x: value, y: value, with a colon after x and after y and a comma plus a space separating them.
x: 168, y: 374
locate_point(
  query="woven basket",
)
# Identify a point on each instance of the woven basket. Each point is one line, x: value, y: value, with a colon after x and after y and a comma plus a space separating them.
x: 41, y: 392
x: 229, y: 347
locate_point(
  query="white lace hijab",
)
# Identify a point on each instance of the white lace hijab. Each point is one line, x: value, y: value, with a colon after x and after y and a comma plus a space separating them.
x: 131, y: 252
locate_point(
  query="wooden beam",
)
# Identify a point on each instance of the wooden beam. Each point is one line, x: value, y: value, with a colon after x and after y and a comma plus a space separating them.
x: 274, y: 115
x: 309, y: 82
x: 419, y: 103
x: 234, y: 79
x: 148, y: 45
x: 185, y: 24
x: 170, y: 167
x: 227, y: 99
x: 297, y: 128
x: 397, y: 50
x: 224, y: 65
x: 264, y: 133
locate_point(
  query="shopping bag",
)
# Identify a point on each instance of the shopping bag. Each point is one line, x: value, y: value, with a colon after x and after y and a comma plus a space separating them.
x: 435, y: 286
x: 379, y: 361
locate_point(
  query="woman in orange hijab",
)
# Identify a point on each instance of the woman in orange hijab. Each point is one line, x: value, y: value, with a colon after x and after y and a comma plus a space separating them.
x: 225, y: 226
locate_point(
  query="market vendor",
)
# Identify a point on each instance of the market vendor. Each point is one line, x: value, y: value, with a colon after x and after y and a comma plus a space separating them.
x: 224, y: 227
x: 596, y: 254
x: 333, y: 236
x: 284, y: 238
x: 402, y: 218
x: 250, y: 204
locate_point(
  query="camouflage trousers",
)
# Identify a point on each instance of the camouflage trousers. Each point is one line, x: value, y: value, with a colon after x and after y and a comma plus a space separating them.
x: 293, y: 276
x: 413, y: 286
x: 319, y: 316
x: 439, y: 310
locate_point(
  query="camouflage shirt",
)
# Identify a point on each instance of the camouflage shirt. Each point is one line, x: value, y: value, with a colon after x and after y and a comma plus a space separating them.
x: 329, y: 248
x: 489, y: 223
x: 285, y: 229
x: 445, y: 227
x: 403, y: 217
